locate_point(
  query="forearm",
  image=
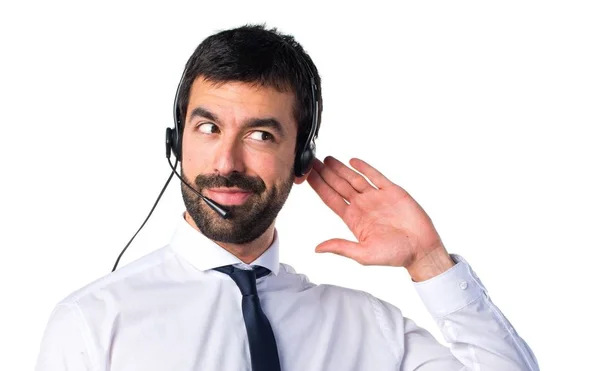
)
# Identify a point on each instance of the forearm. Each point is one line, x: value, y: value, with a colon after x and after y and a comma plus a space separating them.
x: 479, y: 335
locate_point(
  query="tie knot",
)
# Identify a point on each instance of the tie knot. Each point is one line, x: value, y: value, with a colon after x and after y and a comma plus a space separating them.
x: 244, y: 279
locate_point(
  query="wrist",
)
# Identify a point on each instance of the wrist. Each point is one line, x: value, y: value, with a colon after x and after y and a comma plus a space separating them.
x: 436, y: 262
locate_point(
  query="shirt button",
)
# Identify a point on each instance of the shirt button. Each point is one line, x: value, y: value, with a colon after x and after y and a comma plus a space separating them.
x: 463, y: 285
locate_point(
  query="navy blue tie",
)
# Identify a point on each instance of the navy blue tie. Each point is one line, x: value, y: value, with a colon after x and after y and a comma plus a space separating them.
x: 263, y: 348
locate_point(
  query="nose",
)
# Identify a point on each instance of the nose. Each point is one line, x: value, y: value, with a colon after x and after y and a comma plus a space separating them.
x: 228, y: 157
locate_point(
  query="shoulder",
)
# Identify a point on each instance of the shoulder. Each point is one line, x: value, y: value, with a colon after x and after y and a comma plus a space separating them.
x: 123, y: 279
x: 347, y: 295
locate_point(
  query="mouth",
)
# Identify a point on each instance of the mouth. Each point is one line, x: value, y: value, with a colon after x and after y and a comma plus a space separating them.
x: 228, y: 196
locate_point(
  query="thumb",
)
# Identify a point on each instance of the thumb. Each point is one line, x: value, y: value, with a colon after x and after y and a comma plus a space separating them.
x: 342, y: 247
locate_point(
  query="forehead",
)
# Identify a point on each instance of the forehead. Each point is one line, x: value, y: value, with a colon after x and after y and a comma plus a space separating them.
x: 240, y: 100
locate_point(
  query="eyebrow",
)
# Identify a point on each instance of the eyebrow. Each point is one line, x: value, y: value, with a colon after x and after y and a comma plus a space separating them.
x: 253, y: 123
x: 201, y: 112
x: 270, y: 123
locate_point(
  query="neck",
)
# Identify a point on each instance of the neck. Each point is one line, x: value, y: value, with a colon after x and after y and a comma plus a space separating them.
x: 247, y: 252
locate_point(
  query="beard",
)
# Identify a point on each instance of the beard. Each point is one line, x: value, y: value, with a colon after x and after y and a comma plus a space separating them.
x: 249, y: 220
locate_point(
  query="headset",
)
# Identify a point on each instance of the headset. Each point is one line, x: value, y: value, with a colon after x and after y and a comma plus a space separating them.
x: 303, y: 158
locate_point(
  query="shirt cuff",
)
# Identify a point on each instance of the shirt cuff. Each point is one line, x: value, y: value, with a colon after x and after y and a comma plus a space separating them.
x: 452, y: 290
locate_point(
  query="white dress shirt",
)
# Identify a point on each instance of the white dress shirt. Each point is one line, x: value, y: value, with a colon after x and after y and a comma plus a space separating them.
x: 170, y: 311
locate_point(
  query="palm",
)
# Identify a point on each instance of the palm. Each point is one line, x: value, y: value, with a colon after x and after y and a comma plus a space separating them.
x: 389, y: 225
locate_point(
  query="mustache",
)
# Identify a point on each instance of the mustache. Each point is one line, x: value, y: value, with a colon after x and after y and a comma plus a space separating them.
x: 238, y: 180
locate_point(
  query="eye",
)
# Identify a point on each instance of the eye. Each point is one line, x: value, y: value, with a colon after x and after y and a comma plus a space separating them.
x: 262, y: 136
x: 208, y: 128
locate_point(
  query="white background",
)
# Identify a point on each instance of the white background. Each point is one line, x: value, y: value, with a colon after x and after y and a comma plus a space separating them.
x: 486, y: 113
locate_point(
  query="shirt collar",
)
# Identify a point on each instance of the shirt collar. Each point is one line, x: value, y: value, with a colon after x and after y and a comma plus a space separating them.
x: 205, y: 254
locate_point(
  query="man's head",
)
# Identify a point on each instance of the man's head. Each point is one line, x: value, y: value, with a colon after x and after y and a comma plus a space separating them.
x: 245, y: 103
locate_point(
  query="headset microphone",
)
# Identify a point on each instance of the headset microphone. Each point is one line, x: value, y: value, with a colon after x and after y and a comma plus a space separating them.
x: 223, y: 212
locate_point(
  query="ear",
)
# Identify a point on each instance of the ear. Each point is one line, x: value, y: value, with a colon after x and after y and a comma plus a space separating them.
x: 300, y: 180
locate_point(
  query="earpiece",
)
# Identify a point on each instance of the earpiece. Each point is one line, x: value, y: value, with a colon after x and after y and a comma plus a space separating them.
x: 173, y: 135
x: 308, y: 151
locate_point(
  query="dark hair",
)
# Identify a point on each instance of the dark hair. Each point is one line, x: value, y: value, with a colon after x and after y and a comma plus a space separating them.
x: 256, y: 55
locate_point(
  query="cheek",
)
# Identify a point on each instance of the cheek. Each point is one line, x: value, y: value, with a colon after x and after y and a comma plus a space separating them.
x: 269, y: 167
x: 273, y: 168
x: 192, y: 156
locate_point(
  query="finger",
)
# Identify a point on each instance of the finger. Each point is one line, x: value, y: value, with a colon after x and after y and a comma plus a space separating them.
x: 355, y: 179
x: 339, y: 184
x: 330, y: 197
x: 346, y: 248
x: 371, y: 173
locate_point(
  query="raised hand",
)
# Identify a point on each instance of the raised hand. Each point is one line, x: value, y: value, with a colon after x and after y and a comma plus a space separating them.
x: 391, y: 228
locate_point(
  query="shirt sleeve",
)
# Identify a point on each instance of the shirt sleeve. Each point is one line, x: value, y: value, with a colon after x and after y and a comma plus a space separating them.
x: 63, y: 346
x: 479, y: 336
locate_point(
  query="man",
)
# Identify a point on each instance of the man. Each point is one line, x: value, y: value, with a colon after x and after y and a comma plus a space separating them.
x: 217, y: 297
